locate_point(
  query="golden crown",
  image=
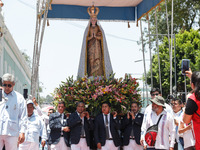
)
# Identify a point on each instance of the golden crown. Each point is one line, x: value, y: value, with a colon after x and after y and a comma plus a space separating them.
x: 93, y: 11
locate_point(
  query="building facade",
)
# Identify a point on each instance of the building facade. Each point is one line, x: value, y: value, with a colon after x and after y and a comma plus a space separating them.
x: 11, y: 59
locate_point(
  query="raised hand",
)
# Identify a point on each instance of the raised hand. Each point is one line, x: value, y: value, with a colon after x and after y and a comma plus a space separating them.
x: 87, y: 114
x: 114, y: 113
x: 34, y: 101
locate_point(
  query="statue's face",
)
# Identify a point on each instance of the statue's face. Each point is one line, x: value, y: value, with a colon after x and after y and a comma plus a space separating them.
x: 93, y: 21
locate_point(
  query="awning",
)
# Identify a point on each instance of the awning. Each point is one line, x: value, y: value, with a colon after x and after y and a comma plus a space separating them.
x: 110, y: 10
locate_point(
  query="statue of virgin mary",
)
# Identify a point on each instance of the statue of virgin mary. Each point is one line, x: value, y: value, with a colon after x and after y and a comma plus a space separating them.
x: 94, y: 59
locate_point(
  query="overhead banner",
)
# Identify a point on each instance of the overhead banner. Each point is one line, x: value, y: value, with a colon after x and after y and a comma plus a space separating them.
x: 110, y: 10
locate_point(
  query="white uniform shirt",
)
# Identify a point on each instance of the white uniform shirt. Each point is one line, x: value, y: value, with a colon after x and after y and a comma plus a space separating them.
x: 43, y: 115
x: 35, y: 128
x: 82, y: 123
x: 166, y: 128
x: 148, y: 111
x: 188, y: 138
x: 13, y: 114
x: 178, y: 117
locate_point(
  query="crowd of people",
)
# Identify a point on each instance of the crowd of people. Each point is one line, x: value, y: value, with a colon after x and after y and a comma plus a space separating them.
x: 162, y: 126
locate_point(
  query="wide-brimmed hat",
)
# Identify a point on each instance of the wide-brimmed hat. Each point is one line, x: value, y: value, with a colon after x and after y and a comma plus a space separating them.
x: 159, y: 100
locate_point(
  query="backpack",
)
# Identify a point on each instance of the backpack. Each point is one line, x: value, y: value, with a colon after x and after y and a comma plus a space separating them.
x: 151, y: 134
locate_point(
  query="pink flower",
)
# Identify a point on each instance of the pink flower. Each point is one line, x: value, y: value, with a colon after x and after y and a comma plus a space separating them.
x: 94, y: 96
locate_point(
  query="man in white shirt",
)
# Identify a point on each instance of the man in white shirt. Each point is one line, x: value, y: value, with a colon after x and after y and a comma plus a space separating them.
x: 166, y: 127
x: 13, y: 115
x: 35, y: 129
x: 154, y: 92
x: 45, y: 118
x: 177, y: 114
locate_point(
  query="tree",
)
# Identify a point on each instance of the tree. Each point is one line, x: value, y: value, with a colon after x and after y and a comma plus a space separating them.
x: 187, y: 47
x: 185, y: 16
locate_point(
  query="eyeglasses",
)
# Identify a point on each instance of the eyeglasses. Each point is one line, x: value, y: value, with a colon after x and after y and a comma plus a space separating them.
x: 154, y: 94
x: 7, y: 85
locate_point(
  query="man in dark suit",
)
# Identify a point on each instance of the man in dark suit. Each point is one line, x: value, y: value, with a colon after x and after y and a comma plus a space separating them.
x: 59, y: 135
x: 131, y: 125
x: 80, y: 125
x: 106, y: 129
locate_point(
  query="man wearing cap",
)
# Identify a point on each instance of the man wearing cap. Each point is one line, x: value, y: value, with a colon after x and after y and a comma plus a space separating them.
x: 35, y: 129
x: 154, y: 92
x: 45, y: 118
x: 166, y: 125
x: 13, y: 115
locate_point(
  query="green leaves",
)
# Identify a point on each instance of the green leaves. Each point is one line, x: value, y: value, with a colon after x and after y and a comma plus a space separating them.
x: 187, y: 47
x: 119, y: 92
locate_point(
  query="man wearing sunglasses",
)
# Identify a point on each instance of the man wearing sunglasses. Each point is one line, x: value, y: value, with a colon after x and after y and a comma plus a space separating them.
x: 13, y: 115
x: 154, y: 92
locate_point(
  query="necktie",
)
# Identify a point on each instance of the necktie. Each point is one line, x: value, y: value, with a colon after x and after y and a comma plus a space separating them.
x: 107, y: 131
x: 61, y: 123
x: 132, y: 122
x: 61, y: 117
x: 82, y: 129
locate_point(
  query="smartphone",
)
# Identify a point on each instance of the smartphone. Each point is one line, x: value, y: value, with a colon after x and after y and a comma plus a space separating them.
x: 0, y: 94
x: 185, y: 65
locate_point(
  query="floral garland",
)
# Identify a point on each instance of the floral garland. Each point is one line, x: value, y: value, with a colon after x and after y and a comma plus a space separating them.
x: 119, y: 92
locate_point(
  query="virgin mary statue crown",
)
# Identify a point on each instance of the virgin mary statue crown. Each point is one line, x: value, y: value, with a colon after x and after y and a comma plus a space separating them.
x: 93, y: 11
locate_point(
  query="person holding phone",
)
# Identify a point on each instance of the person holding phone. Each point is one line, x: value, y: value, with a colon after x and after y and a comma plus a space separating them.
x: 192, y: 110
x: 13, y: 116
x: 80, y: 124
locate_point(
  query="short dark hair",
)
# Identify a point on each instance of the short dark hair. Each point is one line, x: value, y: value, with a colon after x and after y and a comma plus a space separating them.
x: 61, y: 102
x: 178, y: 100
x: 138, y: 104
x: 108, y: 103
x: 155, y: 90
x: 81, y: 102
x: 52, y: 110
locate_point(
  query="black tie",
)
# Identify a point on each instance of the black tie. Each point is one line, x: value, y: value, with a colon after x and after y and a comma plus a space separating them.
x: 82, y: 129
x: 132, y: 122
x: 107, y: 131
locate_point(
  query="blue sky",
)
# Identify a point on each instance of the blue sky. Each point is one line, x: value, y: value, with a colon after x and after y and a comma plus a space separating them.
x: 63, y: 40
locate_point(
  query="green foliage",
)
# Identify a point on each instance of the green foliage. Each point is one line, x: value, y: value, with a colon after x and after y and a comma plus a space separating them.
x: 185, y: 16
x: 187, y: 47
x: 119, y: 92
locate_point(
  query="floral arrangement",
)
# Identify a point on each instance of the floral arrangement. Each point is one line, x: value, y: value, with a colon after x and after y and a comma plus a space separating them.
x: 119, y: 92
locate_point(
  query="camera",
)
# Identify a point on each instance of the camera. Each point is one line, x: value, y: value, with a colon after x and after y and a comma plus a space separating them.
x: 185, y: 65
